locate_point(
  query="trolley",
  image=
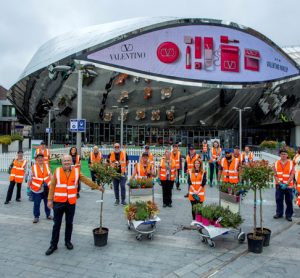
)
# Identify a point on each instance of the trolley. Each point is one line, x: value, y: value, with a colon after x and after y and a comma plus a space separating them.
x: 208, y: 233
x: 142, y: 228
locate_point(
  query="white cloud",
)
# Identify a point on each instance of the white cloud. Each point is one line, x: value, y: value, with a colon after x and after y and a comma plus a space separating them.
x: 26, y: 25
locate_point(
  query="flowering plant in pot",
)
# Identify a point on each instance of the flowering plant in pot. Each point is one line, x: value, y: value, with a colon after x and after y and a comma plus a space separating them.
x: 140, y: 183
x: 105, y: 175
x: 141, y: 211
x: 258, y: 175
x: 207, y: 214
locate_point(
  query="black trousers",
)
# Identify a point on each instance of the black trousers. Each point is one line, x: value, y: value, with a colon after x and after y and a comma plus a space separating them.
x: 287, y: 195
x: 59, y: 210
x: 194, y: 203
x: 177, y: 179
x: 93, y: 176
x: 167, y: 187
x: 11, y: 190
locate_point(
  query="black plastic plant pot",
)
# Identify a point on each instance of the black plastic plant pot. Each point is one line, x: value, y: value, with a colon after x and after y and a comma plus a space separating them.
x: 100, y: 236
x: 266, y: 234
x: 255, y: 245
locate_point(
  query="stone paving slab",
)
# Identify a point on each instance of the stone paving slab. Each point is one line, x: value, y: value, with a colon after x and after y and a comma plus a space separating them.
x: 172, y: 253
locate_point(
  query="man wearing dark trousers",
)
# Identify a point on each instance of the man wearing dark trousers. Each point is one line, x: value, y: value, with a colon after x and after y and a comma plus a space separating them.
x: 284, y: 176
x: 119, y: 160
x: 95, y: 157
x: 62, y: 198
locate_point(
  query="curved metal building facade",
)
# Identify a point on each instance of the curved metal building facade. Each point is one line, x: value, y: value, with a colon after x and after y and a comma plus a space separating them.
x: 159, y: 108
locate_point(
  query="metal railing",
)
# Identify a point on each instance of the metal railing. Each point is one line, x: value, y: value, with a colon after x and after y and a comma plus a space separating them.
x: 7, y: 158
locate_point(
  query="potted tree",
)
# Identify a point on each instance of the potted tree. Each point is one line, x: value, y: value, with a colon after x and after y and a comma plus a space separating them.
x: 105, y: 175
x: 258, y: 175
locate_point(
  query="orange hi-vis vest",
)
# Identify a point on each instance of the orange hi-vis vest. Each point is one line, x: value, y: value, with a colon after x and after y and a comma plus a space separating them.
x: 296, y: 158
x: 296, y: 162
x: 204, y: 148
x: 230, y: 171
x: 39, y: 177
x: 239, y: 157
x: 190, y: 162
x: 95, y: 159
x: 297, y: 178
x: 142, y: 171
x: 196, y: 186
x: 249, y: 157
x: 45, y: 153
x: 77, y: 162
x: 123, y: 163
x: 215, y: 154
x: 18, y: 171
x: 66, y: 187
x: 176, y: 158
x: 150, y: 158
x: 163, y: 170
x: 283, y: 173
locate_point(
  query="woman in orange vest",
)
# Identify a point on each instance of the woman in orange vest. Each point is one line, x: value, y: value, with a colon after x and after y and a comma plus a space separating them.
x: 167, y: 175
x: 215, y: 157
x: 144, y: 168
x: 76, y: 162
x: 119, y: 160
x: 17, y: 173
x: 191, y: 157
x: 247, y: 156
x: 177, y: 157
x: 197, y: 184
x: 39, y: 180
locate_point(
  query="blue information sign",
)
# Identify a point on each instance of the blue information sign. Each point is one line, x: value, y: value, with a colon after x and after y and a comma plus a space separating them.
x: 77, y: 125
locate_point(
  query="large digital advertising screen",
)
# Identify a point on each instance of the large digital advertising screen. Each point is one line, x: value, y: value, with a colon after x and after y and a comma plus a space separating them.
x: 199, y: 53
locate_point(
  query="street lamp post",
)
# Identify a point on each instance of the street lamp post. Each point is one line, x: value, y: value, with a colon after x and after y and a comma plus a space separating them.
x: 87, y: 69
x: 122, y: 124
x: 49, y: 123
x: 79, y: 110
x: 240, y: 110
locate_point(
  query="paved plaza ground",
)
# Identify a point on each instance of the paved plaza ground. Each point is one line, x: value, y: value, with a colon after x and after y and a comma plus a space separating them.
x: 173, y: 252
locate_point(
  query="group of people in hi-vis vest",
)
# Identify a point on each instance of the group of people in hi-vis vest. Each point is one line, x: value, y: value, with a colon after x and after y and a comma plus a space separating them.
x: 59, y: 191
x: 225, y: 169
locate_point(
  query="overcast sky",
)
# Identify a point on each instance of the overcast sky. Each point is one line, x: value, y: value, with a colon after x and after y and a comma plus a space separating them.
x: 26, y: 25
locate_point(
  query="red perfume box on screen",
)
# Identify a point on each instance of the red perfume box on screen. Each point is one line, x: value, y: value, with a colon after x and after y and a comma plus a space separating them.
x: 230, y: 58
x: 251, y: 59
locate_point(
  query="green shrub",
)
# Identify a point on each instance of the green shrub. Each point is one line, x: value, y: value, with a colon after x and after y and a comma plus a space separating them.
x: 269, y: 144
x: 228, y: 218
x: 16, y: 136
x: 5, y: 139
x: 197, y: 208
x: 8, y: 139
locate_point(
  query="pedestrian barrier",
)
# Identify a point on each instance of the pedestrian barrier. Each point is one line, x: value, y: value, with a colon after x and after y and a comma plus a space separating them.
x: 7, y: 158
